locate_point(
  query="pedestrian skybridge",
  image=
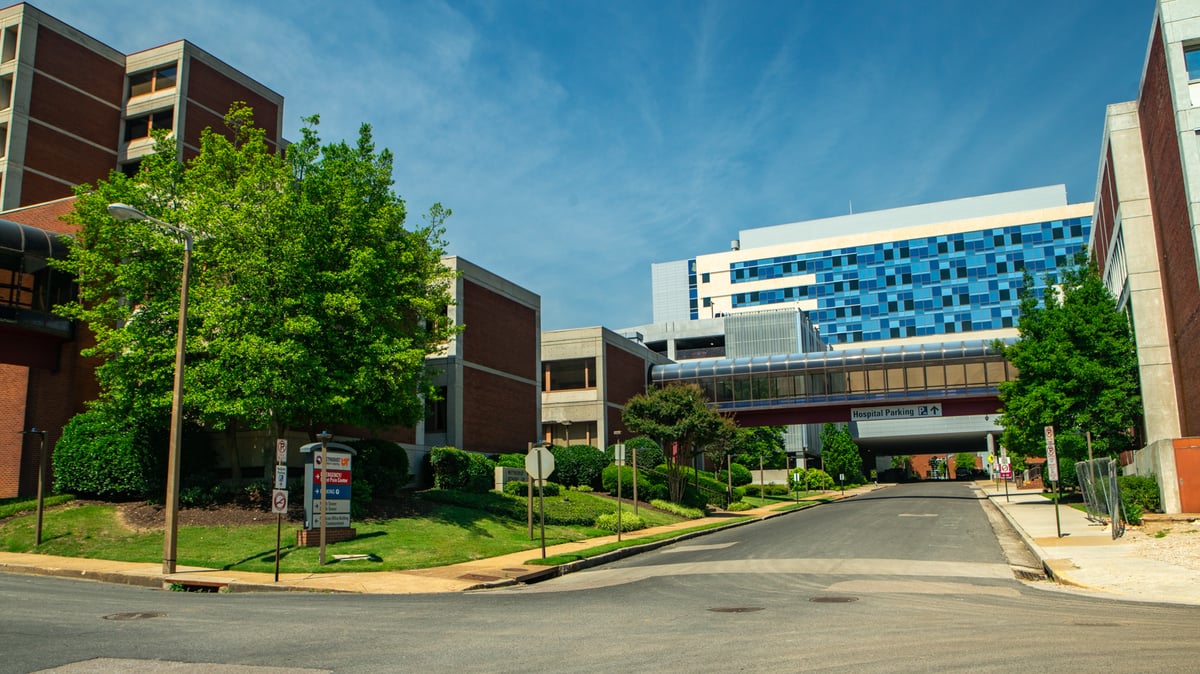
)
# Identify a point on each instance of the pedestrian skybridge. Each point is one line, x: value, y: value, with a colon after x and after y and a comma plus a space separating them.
x: 960, y: 377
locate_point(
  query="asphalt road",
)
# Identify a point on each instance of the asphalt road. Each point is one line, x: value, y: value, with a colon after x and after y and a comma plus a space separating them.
x: 909, y: 579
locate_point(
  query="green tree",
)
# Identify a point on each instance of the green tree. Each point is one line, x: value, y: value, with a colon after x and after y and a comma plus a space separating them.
x: 311, y: 302
x: 765, y: 442
x: 964, y: 460
x: 679, y: 419
x: 1077, y: 366
x: 839, y: 453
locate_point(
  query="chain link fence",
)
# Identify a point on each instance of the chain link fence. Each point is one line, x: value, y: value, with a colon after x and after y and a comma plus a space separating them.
x: 1101, y: 494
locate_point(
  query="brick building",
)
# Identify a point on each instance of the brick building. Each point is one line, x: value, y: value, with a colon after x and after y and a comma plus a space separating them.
x: 588, y: 374
x: 1146, y: 238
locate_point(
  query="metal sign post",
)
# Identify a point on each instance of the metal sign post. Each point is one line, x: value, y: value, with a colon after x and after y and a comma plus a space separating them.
x: 1052, y: 466
x: 619, y: 451
x: 324, y: 437
x: 277, y: 504
x: 539, y: 463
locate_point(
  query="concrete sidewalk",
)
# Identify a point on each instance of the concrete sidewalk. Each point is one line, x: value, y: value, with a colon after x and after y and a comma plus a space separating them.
x: 1086, y: 556
x: 477, y: 574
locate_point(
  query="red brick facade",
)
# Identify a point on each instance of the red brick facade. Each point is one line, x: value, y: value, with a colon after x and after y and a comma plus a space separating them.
x: 625, y: 374
x: 494, y: 407
x: 1168, y: 200
x: 500, y: 333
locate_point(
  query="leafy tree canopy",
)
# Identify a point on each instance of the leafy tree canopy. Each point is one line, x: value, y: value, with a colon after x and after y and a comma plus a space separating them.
x: 311, y: 301
x: 839, y: 453
x: 680, y: 419
x: 1077, y: 366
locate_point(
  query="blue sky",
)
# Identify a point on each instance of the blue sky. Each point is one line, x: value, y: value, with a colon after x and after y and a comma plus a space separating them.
x: 578, y: 142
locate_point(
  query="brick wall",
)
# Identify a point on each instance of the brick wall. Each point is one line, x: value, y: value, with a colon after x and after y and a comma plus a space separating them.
x: 500, y: 333
x: 624, y: 375
x: 1105, y: 216
x: 209, y: 88
x: 14, y: 383
x: 1168, y: 201
x: 499, y: 413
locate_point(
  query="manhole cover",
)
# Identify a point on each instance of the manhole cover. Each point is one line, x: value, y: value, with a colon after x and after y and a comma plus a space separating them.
x: 736, y: 609
x: 833, y: 600
x: 137, y: 615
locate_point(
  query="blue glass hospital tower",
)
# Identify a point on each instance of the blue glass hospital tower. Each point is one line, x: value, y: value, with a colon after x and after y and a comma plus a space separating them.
x: 925, y: 273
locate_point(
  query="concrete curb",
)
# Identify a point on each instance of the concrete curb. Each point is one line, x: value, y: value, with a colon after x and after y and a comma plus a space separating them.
x: 1055, y: 569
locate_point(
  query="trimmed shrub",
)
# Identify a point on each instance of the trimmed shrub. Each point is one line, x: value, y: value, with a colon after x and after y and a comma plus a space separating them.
x: 739, y: 506
x: 647, y: 450
x: 1139, y: 494
x: 772, y: 490
x: 676, y: 509
x: 577, y: 464
x: 464, y: 471
x: 741, y: 475
x: 98, y: 455
x: 511, y: 460
x: 815, y: 478
x: 629, y: 522
x: 577, y: 510
x: 518, y: 488
x: 610, y: 482
x: 381, y: 463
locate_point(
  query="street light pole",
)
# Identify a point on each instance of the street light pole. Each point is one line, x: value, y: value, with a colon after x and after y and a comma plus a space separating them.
x: 37, y: 540
x: 171, y: 535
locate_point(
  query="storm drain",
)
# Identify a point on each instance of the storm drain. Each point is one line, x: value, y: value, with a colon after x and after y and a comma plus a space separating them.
x: 136, y: 615
x: 833, y: 600
x: 736, y: 609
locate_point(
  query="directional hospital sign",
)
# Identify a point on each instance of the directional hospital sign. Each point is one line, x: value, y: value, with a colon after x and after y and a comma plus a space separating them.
x: 896, y: 412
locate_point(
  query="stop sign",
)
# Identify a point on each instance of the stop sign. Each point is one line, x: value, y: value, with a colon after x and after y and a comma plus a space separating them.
x: 532, y: 459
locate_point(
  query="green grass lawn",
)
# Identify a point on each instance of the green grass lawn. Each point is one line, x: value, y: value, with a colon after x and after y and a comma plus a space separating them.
x: 448, y: 534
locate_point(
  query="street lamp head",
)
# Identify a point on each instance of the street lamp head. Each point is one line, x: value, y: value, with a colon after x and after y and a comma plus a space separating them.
x: 126, y: 212
x: 324, y: 437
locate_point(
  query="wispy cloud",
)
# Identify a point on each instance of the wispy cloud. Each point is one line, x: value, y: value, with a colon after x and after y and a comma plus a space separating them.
x: 579, y: 142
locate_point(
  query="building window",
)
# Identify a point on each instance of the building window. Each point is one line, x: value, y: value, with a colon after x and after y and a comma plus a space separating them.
x: 435, y: 412
x: 150, y: 81
x: 565, y: 375
x: 142, y: 125
x: 131, y: 168
x: 10, y: 44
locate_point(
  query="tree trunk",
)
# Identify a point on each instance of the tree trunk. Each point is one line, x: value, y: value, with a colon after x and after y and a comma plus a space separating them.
x: 231, y: 449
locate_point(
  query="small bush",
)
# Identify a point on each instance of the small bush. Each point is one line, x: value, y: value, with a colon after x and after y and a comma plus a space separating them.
x: 610, y: 482
x: 511, y: 460
x: 577, y: 464
x: 629, y: 522
x: 741, y: 475
x: 676, y: 509
x: 739, y: 506
x: 583, y: 488
x: 1139, y: 494
x: 815, y: 478
x: 518, y: 488
x: 257, y: 492
x: 772, y: 489
x: 464, y: 471
x: 647, y: 452
x: 98, y: 455
x: 381, y: 463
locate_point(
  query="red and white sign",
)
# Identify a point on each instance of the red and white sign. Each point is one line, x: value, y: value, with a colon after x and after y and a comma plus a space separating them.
x: 279, y: 501
x: 332, y: 476
x: 281, y: 451
x: 1051, y: 455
